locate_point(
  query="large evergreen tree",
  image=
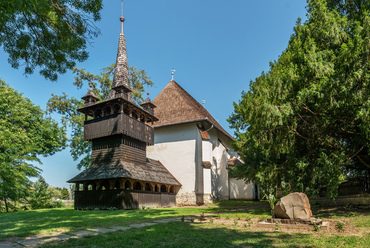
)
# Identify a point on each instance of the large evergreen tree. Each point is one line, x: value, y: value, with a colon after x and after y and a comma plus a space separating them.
x: 25, y: 133
x: 306, y: 122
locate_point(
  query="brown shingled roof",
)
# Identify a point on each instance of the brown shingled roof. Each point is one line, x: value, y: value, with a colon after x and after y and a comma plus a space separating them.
x: 176, y: 106
x: 151, y: 171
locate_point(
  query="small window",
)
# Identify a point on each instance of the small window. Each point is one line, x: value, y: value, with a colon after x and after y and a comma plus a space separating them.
x: 163, y: 188
x: 127, y: 185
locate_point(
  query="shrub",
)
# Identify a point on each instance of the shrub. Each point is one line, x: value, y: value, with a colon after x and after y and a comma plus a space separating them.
x: 340, y: 225
x: 316, y: 227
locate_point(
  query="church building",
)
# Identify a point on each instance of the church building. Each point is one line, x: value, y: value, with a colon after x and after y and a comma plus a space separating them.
x: 195, y: 149
x: 121, y: 176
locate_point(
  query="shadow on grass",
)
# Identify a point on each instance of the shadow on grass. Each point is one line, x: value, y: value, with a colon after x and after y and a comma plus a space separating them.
x: 179, y: 234
x: 20, y: 224
x: 329, y: 212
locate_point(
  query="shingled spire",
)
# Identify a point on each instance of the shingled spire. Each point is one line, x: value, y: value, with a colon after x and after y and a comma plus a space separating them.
x: 121, y: 79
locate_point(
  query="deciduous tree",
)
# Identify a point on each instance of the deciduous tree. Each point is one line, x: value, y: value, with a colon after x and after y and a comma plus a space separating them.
x: 25, y: 134
x: 49, y: 34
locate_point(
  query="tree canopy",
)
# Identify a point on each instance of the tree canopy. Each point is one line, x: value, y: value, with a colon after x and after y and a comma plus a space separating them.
x: 25, y: 133
x: 101, y: 85
x: 304, y: 124
x: 49, y: 34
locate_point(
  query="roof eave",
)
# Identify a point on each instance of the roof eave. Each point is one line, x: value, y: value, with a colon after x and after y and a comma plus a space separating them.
x: 204, y: 119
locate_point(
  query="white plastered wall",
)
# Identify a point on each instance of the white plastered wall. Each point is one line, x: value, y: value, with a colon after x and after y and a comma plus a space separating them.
x: 207, y: 156
x: 175, y: 147
x: 219, y: 172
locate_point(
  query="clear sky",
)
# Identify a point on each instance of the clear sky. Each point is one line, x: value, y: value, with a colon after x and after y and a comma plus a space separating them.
x: 216, y: 47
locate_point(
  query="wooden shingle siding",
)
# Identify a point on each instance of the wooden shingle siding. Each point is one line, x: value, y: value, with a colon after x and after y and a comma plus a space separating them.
x: 122, y: 199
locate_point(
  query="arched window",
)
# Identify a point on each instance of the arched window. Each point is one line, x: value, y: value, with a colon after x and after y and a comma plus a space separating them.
x: 116, y: 109
x: 156, y: 188
x: 127, y: 185
x: 91, y: 113
x: 105, y: 185
x: 137, y: 186
x: 163, y: 188
x: 98, y: 114
x: 107, y: 111
x: 172, y: 189
x: 117, y: 185
x: 148, y: 187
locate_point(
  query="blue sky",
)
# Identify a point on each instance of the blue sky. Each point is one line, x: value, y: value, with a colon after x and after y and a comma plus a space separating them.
x: 216, y: 48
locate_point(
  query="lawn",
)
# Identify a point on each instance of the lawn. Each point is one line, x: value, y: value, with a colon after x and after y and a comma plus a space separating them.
x: 49, y: 221
x: 185, y: 234
x: 179, y: 234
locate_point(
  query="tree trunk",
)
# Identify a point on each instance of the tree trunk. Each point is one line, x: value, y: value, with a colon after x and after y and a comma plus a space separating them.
x: 6, y: 204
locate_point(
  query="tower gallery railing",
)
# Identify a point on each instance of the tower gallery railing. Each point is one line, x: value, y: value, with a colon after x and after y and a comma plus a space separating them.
x: 118, y: 124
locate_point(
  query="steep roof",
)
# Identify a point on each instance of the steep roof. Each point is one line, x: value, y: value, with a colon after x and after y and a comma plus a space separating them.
x: 152, y: 171
x: 175, y: 106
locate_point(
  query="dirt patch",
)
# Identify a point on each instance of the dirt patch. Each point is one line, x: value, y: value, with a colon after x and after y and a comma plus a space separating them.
x: 348, y: 228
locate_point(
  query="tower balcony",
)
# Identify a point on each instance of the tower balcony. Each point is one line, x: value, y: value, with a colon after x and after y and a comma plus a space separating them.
x: 118, y: 124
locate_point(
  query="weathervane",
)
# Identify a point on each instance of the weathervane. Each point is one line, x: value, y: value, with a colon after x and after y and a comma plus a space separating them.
x: 172, y: 71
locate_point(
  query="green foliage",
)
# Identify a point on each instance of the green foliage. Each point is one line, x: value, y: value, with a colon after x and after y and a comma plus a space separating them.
x: 25, y: 133
x: 306, y: 122
x: 101, y: 86
x: 316, y: 226
x: 340, y: 225
x: 49, y: 34
x: 64, y: 194
x: 41, y: 194
x: 271, y: 200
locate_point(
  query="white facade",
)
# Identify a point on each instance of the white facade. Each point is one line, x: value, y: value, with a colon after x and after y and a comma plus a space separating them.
x: 200, y: 165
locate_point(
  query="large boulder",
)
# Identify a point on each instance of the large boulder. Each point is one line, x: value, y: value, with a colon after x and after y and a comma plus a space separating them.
x: 293, y: 206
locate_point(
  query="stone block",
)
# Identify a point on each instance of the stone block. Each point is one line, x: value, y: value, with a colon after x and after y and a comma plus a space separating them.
x: 293, y: 206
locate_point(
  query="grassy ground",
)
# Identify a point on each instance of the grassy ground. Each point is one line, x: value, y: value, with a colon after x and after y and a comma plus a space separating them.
x: 49, y: 221
x: 179, y: 234
x: 185, y: 234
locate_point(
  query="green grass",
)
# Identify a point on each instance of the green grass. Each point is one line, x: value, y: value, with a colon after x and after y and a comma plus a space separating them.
x: 179, y: 234
x: 358, y: 217
x: 49, y: 221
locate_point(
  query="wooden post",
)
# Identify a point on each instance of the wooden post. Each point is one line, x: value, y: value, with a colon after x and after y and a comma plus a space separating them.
x: 98, y: 183
x: 111, y: 183
x: 85, y: 186
x: 122, y: 183
x: 94, y: 186
x: 153, y: 187
x: 77, y: 187
x: 131, y: 184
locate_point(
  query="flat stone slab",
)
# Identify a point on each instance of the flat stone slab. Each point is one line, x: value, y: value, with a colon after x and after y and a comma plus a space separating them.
x: 9, y: 245
x: 324, y: 226
x: 57, y: 237
x: 175, y: 220
x: 31, y: 242
x: 120, y: 228
x: 295, y: 221
x: 166, y: 220
x: 101, y: 230
x: 80, y: 234
x: 142, y: 225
